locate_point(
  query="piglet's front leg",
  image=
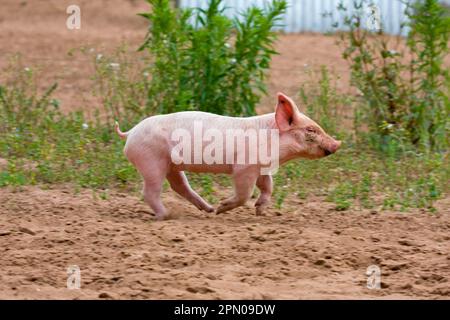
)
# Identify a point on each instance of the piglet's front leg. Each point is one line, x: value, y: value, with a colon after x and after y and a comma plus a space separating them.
x: 244, y: 179
x: 265, y: 185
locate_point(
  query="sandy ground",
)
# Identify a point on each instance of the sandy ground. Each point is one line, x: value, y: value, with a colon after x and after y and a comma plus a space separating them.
x: 304, y: 251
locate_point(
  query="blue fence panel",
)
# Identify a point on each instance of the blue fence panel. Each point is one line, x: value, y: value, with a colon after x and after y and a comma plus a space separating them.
x: 316, y: 15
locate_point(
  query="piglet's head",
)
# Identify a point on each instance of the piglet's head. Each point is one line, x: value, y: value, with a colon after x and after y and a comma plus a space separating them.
x: 301, y: 137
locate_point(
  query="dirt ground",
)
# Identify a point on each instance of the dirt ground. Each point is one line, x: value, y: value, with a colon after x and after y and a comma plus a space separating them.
x: 306, y: 250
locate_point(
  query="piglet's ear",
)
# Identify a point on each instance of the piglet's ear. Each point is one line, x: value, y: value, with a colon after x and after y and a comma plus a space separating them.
x: 286, y: 112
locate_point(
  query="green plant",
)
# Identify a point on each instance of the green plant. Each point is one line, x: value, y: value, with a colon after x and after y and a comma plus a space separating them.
x: 43, y: 145
x: 206, y: 183
x: 122, y: 84
x: 407, y: 102
x: 12, y: 177
x: 214, y: 64
x: 342, y: 195
x: 428, y: 42
x: 322, y: 100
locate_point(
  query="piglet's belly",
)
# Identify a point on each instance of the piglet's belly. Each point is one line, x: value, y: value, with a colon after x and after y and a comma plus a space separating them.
x: 204, y: 168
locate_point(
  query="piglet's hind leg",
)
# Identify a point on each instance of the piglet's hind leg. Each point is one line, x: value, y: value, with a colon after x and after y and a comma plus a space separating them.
x: 180, y: 184
x: 154, y: 172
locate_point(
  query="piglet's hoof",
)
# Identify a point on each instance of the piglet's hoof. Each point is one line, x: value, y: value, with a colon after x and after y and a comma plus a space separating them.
x: 260, y: 208
x: 209, y: 209
x: 222, y: 208
x: 165, y: 216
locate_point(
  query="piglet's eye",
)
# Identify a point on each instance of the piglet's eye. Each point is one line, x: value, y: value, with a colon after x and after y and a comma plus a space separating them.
x: 310, y: 129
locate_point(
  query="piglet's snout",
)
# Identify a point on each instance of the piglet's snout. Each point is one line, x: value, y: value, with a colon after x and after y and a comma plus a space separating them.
x: 336, y: 146
x: 333, y: 147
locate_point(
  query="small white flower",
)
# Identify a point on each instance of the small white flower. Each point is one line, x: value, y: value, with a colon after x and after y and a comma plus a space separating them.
x: 393, y: 52
x: 85, y: 126
x: 227, y: 45
x: 114, y: 65
x: 146, y: 74
x: 99, y: 56
x: 27, y: 69
x: 233, y: 61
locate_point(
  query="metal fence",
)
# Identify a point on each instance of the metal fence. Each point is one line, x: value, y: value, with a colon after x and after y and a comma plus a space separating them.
x: 316, y: 15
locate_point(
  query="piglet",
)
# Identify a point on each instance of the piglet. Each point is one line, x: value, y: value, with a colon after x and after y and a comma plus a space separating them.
x: 154, y: 147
